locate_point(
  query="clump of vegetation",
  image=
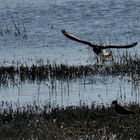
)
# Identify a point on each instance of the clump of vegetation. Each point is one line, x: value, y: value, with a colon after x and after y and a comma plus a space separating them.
x: 127, y: 66
x: 84, y: 122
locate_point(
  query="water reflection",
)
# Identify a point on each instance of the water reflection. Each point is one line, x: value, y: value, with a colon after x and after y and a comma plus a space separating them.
x: 87, y: 90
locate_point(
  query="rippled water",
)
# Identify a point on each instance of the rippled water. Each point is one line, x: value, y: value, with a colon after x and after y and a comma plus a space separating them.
x: 104, y: 22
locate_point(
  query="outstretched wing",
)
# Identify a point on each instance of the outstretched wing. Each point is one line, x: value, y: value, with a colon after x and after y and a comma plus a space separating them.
x: 73, y: 37
x: 119, y: 47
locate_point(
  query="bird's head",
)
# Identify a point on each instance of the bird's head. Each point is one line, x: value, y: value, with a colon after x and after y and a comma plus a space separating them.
x: 63, y: 31
x: 114, y: 102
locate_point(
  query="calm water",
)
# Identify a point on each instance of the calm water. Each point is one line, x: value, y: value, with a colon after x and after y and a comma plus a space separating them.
x: 104, y: 22
x: 94, y: 89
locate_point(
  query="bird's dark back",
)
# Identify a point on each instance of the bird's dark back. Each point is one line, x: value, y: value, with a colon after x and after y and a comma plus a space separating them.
x: 97, y: 50
x: 122, y: 110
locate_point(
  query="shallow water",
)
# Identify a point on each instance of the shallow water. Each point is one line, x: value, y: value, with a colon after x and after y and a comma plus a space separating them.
x: 104, y: 22
x: 94, y: 89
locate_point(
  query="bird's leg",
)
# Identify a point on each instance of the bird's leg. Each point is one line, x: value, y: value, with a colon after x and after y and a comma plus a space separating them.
x: 97, y: 59
x: 112, y: 58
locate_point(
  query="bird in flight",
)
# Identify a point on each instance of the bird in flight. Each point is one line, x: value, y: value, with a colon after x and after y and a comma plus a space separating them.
x: 121, y: 110
x: 98, y: 49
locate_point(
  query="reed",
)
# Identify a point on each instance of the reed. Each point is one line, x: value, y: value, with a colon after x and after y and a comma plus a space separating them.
x: 14, y: 27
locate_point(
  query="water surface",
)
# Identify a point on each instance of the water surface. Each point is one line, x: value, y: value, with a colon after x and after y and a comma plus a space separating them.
x: 104, y: 22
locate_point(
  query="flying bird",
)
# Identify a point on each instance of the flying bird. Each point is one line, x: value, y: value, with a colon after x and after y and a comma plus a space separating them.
x: 121, y: 110
x: 98, y: 49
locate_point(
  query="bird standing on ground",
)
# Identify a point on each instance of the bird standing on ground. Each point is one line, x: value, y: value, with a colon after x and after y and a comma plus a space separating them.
x: 121, y: 110
x: 98, y: 49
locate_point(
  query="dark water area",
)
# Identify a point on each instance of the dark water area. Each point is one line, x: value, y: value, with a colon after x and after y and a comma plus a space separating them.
x: 30, y: 32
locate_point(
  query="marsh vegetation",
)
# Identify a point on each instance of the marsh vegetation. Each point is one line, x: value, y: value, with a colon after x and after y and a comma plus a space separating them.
x: 126, y: 66
x: 38, y: 121
x: 73, y: 123
x: 52, y: 88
